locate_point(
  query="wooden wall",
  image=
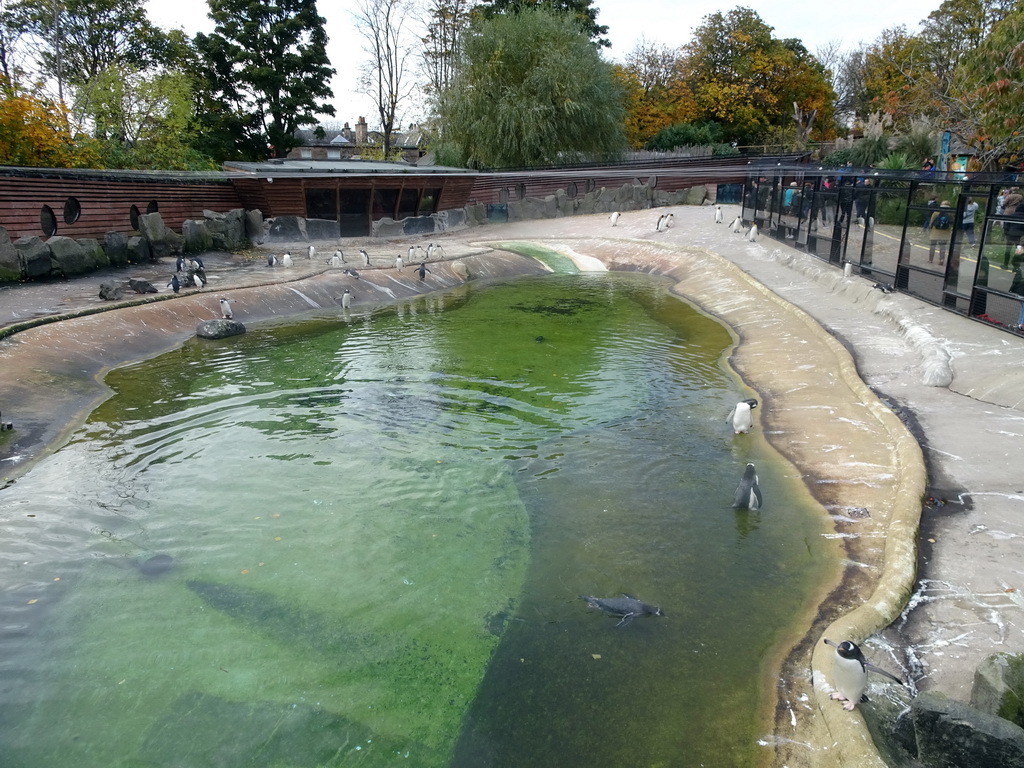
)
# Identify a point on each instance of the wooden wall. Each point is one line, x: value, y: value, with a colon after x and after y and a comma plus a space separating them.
x: 105, y: 201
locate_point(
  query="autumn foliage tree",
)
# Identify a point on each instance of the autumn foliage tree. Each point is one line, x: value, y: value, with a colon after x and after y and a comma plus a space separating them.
x: 34, y: 132
x: 656, y: 95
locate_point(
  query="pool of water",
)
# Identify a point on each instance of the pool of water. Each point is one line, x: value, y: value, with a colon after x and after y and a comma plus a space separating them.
x: 361, y: 540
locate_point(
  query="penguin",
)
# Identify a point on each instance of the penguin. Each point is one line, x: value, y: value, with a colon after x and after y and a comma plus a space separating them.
x: 335, y: 261
x: 351, y: 273
x: 412, y: 253
x: 669, y: 218
x: 627, y: 606
x: 422, y: 270
x: 883, y: 287
x: 179, y: 264
x: 399, y: 263
x: 197, y: 263
x: 311, y: 252
x: 847, y: 268
x: 225, y: 307
x: 346, y: 299
x: 286, y: 260
x: 740, y: 416
x: 737, y: 224
x: 748, y: 492
x: 175, y: 284
x: 271, y: 260
x: 439, y: 252
x: 850, y: 673
x: 752, y: 234
x: 718, y: 215
x: 366, y: 257
x: 421, y: 255
x: 615, y: 218
x: 430, y: 252
x: 198, y: 281
x: 661, y: 220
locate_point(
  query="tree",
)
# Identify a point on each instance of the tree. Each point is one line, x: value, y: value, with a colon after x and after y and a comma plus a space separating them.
x: 582, y: 11
x: 657, y: 96
x: 954, y: 30
x: 530, y: 89
x: 446, y: 19
x: 34, y: 132
x: 386, y: 77
x: 745, y: 79
x: 266, y: 70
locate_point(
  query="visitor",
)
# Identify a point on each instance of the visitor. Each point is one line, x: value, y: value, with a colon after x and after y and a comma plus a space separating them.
x: 928, y: 214
x: 967, y: 223
x: 940, y: 224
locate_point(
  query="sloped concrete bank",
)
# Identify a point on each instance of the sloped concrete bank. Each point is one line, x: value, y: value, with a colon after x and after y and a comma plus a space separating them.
x: 860, y: 462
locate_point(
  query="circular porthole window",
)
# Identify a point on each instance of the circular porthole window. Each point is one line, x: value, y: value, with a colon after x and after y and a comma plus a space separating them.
x: 48, y: 221
x: 153, y: 207
x: 133, y: 216
x: 72, y: 210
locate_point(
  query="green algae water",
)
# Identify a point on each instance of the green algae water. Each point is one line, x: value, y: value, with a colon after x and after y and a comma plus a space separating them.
x: 361, y: 540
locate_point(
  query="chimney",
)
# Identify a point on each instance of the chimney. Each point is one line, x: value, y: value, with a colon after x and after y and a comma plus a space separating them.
x: 361, y: 133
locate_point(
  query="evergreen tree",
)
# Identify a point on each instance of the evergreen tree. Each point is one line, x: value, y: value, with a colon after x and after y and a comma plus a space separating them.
x: 265, y: 72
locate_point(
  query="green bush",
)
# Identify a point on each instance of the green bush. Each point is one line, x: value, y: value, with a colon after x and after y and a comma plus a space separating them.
x: 687, y: 135
x: 837, y: 159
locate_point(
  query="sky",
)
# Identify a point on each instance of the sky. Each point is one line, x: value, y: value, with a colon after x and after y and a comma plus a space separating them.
x: 670, y: 22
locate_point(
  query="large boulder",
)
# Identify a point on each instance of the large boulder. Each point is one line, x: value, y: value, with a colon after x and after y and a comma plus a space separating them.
x: 112, y: 291
x: 235, y: 232
x: 68, y: 258
x: 34, y: 255
x: 954, y: 735
x: 115, y: 245
x: 197, y: 236
x: 152, y: 227
x: 219, y: 328
x: 287, y: 228
x: 254, y: 226
x: 138, y: 250
x: 999, y: 687
x: 92, y: 246
x: 10, y: 261
x: 322, y: 229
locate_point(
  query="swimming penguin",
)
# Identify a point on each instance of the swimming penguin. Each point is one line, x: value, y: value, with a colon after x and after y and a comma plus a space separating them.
x: 175, y: 284
x: 271, y: 260
x: 627, y: 606
x: 286, y: 260
x: 740, y: 417
x: 718, y: 214
x: 366, y: 257
x: 748, y: 492
x: 399, y: 263
x: 422, y: 270
x: 346, y: 299
x: 311, y: 252
x: 737, y: 224
x: 615, y: 218
x: 225, y: 307
x: 752, y: 234
x: 850, y: 673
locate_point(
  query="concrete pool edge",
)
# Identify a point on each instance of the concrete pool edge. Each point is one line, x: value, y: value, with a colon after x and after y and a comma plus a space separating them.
x: 840, y: 732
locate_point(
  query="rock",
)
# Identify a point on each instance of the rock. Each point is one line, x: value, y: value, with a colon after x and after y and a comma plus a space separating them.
x: 34, y: 255
x: 10, y: 260
x: 141, y: 286
x: 197, y: 236
x: 954, y: 735
x: 219, y: 328
x: 68, y: 258
x: 254, y: 226
x: 138, y: 250
x: 152, y: 227
x: 111, y: 291
x: 322, y: 229
x: 115, y: 245
x: 999, y: 687
x: 92, y: 246
x: 287, y: 228
x: 460, y: 269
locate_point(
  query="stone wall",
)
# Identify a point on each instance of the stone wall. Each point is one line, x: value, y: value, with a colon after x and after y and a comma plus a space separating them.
x: 628, y: 197
x: 32, y: 258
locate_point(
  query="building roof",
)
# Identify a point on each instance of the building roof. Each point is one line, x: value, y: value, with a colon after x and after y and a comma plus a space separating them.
x: 326, y: 167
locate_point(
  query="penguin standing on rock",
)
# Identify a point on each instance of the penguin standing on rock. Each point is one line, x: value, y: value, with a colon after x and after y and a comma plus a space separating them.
x: 179, y: 264
x: 748, y: 492
x: 850, y: 673
x: 175, y: 284
x: 741, y: 417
